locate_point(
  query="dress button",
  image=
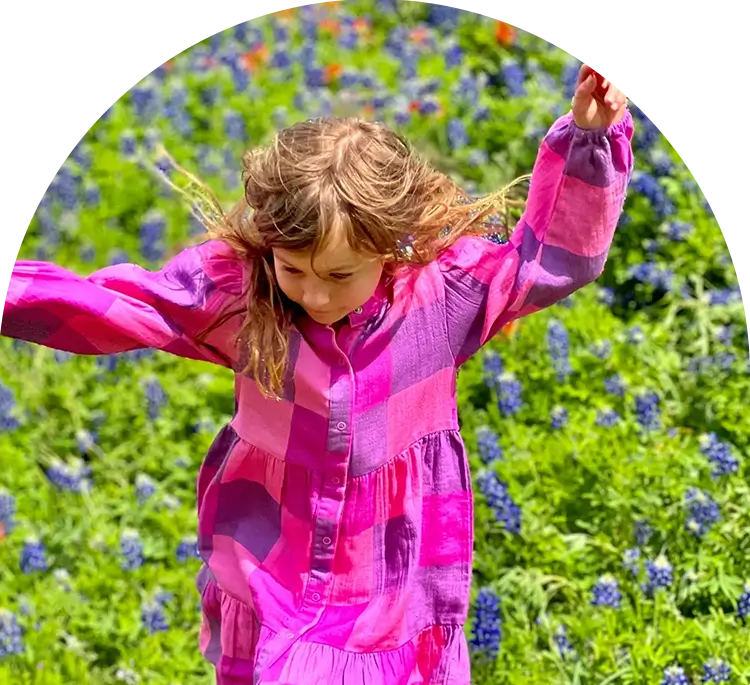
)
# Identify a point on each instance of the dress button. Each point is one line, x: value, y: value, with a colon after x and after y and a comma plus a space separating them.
x: 335, y: 480
x: 358, y: 310
x: 341, y: 425
x: 315, y: 597
x: 326, y: 541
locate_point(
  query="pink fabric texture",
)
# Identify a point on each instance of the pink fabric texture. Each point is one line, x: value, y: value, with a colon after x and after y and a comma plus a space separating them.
x: 336, y: 525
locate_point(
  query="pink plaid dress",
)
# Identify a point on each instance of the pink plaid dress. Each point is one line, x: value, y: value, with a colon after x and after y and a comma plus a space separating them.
x: 336, y: 526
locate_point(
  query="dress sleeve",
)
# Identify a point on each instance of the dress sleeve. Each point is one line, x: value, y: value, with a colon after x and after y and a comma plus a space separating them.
x: 125, y: 307
x: 560, y: 244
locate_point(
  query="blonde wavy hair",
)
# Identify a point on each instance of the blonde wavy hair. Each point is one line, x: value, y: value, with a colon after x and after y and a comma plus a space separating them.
x: 322, y: 176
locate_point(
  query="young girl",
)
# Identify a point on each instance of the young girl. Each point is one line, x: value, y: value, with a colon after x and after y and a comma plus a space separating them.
x: 335, y: 509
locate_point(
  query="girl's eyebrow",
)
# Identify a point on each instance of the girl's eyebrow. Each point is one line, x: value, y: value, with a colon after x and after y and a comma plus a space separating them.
x: 339, y: 269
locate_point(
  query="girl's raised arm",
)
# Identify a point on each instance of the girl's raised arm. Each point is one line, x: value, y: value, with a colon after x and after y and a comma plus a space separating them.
x: 125, y: 307
x: 561, y: 243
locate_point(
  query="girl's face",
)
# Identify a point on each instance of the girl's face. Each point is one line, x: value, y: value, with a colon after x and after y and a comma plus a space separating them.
x: 347, y: 279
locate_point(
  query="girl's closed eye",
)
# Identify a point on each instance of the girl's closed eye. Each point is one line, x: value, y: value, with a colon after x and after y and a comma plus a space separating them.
x: 340, y: 277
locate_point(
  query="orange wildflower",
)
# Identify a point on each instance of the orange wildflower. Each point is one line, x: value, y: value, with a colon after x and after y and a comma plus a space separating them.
x: 505, y: 34
x: 332, y: 72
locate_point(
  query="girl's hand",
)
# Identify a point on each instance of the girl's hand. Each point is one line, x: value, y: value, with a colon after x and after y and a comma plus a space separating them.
x: 596, y: 103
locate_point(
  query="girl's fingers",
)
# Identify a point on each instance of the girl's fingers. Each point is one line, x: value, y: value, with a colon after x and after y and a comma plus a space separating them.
x: 584, y: 72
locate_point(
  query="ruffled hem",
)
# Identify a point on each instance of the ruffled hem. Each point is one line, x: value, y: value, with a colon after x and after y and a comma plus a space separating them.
x: 246, y: 653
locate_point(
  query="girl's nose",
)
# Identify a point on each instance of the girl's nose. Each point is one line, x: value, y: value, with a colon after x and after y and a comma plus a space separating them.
x: 315, y: 299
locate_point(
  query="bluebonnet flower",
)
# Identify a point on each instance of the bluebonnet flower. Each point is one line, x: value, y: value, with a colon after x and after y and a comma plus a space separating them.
x: 155, y: 397
x: 661, y: 162
x: 514, y: 78
x: 33, y: 556
x: 453, y: 54
x: 234, y: 125
x: 62, y: 577
x: 674, y: 675
x: 499, y: 500
x: 558, y: 417
x: 647, y: 410
x: 653, y: 274
x: 144, y: 99
x: 87, y: 254
x: 724, y: 296
x: 643, y: 532
x: 659, y: 572
x: 488, y: 444
x: 606, y: 592
x: 481, y: 113
x: 118, y: 257
x: 607, y: 417
x: 127, y: 143
x: 281, y: 58
x: 614, y: 385
x: 716, y: 671
x: 131, y: 547
x: 570, y: 78
x: 73, y: 476
x: 428, y: 105
x: 725, y: 334
x: 152, y: 230
x: 719, y: 454
x: 11, y: 635
x: 606, y: 296
x: 631, y: 560
x: 153, y: 618
x: 649, y: 187
x: 678, y: 230
x: 91, y: 194
x: 209, y: 96
x: 601, y: 349
x: 7, y: 512
x: 635, y: 335
x: 743, y: 606
x: 85, y: 440
x: 64, y: 187
x: 8, y: 420
x: 509, y: 394
x: 562, y: 642
x: 558, y: 345
x: 487, y: 625
x: 144, y: 488
x: 457, y: 134
x: 493, y: 367
x: 187, y: 549
x: 703, y: 512
x: 443, y: 16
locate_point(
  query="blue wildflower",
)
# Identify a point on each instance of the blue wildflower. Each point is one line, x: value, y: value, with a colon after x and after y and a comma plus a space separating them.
x: 716, y: 671
x: 488, y: 444
x: 487, y: 625
x: 509, y: 394
x: 647, y: 410
x: 703, y: 512
x: 155, y: 398
x: 634, y: 335
x: 457, y: 134
x: 153, y: 226
x: 11, y: 634
x: 7, y: 512
x: 153, y: 618
x: 558, y: 344
x: 187, y: 549
x: 607, y: 417
x: 661, y: 162
x: 678, y: 230
x: 562, y: 642
x: 659, y: 572
x: 601, y: 349
x: 653, y: 274
x: 131, y: 548
x: 478, y: 157
x: 33, y: 556
x: 85, y: 440
x: 499, y: 500
x: 723, y: 297
x: 631, y: 560
x: 606, y: 296
x: 743, y: 606
x: 514, y: 78
x: 725, y: 334
x: 144, y: 488
x: 493, y: 367
x: 674, y: 675
x: 234, y: 125
x: 606, y: 592
x: 643, y: 532
x: 614, y: 385
x: 558, y: 417
x: 73, y: 476
x: 8, y: 420
x: 719, y: 454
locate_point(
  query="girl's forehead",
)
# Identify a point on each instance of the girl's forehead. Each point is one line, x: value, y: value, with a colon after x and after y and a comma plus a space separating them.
x: 335, y: 256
